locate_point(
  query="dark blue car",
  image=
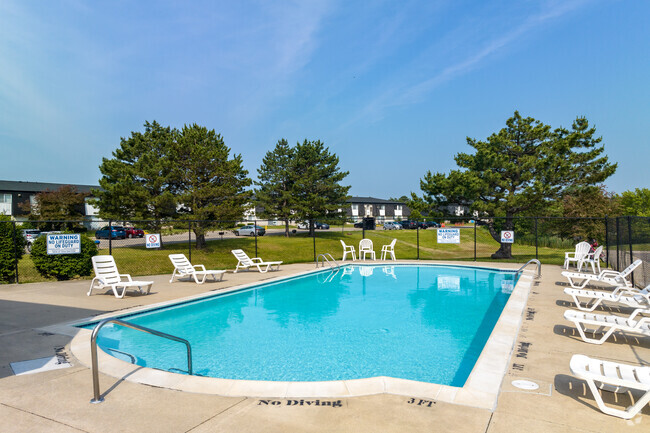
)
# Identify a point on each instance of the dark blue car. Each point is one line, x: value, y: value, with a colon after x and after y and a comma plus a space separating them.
x: 116, y: 232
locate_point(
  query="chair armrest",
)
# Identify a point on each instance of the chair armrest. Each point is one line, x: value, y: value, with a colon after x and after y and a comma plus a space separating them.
x: 569, y: 255
x: 202, y: 267
x: 127, y: 276
x: 258, y: 259
x: 636, y: 313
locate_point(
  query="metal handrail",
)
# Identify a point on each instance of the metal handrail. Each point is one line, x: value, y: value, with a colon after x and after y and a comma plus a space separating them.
x: 539, y: 267
x: 327, y: 260
x: 97, y: 398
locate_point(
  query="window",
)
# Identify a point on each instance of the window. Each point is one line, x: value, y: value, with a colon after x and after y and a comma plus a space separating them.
x: 355, y: 209
x: 398, y: 207
x: 5, y: 198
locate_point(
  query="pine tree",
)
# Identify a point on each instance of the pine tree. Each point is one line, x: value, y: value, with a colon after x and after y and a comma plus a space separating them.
x: 276, y: 179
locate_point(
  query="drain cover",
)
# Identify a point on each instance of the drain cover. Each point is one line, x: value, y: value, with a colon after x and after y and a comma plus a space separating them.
x: 525, y: 384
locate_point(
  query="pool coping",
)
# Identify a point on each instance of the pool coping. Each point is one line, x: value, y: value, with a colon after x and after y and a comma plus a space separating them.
x: 480, y: 390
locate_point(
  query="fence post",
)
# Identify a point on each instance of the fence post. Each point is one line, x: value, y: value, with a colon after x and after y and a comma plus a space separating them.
x: 311, y: 224
x: 15, y: 251
x: 255, y: 231
x: 363, y: 228
x: 189, y: 239
x: 629, y: 239
x: 607, y: 240
x: 474, y: 239
x: 618, y: 254
x: 536, y: 244
x: 417, y: 229
x: 110, y: 237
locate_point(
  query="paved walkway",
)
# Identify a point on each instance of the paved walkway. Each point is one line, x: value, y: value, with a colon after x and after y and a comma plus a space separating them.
x: 58, y: 401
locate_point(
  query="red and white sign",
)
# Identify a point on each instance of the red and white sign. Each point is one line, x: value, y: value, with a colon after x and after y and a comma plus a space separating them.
x: 507, y: 237
x: 153, y: 241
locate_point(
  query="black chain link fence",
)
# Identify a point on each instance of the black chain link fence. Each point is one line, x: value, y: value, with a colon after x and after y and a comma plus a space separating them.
x: 544, y: 238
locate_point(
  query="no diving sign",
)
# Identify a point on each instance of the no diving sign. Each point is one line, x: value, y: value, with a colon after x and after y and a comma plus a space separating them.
x: 153, y: 241
x: 507, y: 237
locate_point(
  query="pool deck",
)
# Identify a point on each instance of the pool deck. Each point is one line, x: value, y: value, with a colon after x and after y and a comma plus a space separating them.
x: 58, y: 400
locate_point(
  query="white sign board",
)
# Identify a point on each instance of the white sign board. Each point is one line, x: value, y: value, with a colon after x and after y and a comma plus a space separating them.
x: 448, y: 236
x: 507, y: 237
x: 64, y: 244
x: 153, y: 241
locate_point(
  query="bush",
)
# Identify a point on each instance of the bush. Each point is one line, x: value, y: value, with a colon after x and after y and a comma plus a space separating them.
x: 63, y: 266
x: 9, y: 252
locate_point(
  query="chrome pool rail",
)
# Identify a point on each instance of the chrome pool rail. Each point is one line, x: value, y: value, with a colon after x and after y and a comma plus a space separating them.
x: 97, y: 398
x: 539, y: 267
x: 329, y: 259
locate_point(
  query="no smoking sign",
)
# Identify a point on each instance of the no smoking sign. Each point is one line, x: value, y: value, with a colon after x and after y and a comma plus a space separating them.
x: 507, y: 237
x: 153, y: 241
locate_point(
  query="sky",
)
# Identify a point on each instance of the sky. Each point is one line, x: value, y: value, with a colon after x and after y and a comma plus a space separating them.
x: 392, y: 88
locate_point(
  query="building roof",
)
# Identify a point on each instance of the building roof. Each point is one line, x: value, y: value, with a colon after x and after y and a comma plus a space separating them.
x: 371, y: 200
x: 20, y: 186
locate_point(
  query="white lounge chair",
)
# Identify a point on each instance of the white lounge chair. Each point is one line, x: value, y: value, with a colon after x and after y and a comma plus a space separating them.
x: 582, y: 249
x: 609, y: 323
x: 348, y: 249
x: 614, y: 377
x: 388, y: 250
x: 183, y: 268
x: 106, y: 275
x: 623, y: 295
x: 592, y: 259
x: 365, y: 248
x: 246, y: 262
x: 608, y: 276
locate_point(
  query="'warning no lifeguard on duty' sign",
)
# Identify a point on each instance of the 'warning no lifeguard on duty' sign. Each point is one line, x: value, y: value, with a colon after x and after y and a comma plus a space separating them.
x: 64, y: 244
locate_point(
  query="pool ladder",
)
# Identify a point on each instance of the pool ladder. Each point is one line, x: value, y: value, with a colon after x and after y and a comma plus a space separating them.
x: 97, y: 398
x: 539, y: 267
x: 327, y: 258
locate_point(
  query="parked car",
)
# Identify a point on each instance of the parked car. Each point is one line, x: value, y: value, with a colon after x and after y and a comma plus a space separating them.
x: 132, y: 232
x: 317, y: 225
x: 392, y: 226
x: 406, y: 224
x: 432, y: 224
x: 250, y: 230
x: 116, y: 232
x: 30, y: 236
x: 368, y: 223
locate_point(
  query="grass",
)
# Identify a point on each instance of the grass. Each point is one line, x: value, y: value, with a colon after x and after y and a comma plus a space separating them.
x: 299, y: 248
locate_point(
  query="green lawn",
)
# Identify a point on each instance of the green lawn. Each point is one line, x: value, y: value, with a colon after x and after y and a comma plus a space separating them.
x: 300, y: 248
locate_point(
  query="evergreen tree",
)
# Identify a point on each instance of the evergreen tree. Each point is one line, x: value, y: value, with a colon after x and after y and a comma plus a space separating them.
x: 136, y: 181
x: 316, y: 190
x: 207, y: 183
x: 520, y: 170
x: 276, y: 179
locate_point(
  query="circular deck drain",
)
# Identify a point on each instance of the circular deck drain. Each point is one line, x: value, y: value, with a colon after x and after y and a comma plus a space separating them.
x: 525, y: 384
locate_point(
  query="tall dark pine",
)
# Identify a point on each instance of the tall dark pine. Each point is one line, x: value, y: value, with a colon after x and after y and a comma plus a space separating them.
x: 317, y: 190
x: 276, y: 178
x: 520, y: 171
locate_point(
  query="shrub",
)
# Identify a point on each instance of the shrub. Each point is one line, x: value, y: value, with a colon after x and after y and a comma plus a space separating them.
x: 63, y: 266
x: 9, y: 252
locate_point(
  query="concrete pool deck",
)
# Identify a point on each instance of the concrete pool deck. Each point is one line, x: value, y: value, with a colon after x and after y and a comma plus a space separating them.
x: 58, y: 400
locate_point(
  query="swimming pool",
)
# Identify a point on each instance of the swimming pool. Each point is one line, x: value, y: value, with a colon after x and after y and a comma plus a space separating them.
x: 423, y: 323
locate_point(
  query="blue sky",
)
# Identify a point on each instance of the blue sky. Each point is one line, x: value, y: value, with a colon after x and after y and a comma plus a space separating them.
x: 393, y: 88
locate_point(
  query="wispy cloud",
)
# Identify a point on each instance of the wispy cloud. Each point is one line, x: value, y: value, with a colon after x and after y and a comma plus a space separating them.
x: 410, y: 92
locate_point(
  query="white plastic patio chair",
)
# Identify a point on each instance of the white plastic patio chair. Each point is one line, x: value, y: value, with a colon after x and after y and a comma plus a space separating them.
x: 365, y: 248
x: 348, y: 249
x: 609, y: 323
x: 183, y: 268
x: 592, y: 259
x: 388, y: 250
x: 246, y: 262
x: 582, y: 249
x: 629, y: 296
x: 607, y: 276
x: 106, y: 275
x: 613, y: 377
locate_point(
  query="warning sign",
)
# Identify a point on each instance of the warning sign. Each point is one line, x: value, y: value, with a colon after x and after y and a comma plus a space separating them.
x: 448, y: 236
x: 64, y: 244
x: 507, y: 237
x: 153, y: 241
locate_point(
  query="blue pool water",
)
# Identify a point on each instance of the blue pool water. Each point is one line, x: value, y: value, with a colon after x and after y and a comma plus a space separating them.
x: 424, y: 323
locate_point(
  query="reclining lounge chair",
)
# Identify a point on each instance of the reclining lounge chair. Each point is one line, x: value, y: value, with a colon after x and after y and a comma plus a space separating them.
x: 609, y: 323
x: 246, y: 262
x: 607, y: 276
x: 629, y: 296
x: 183, y: 268
x: 106, y: 275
